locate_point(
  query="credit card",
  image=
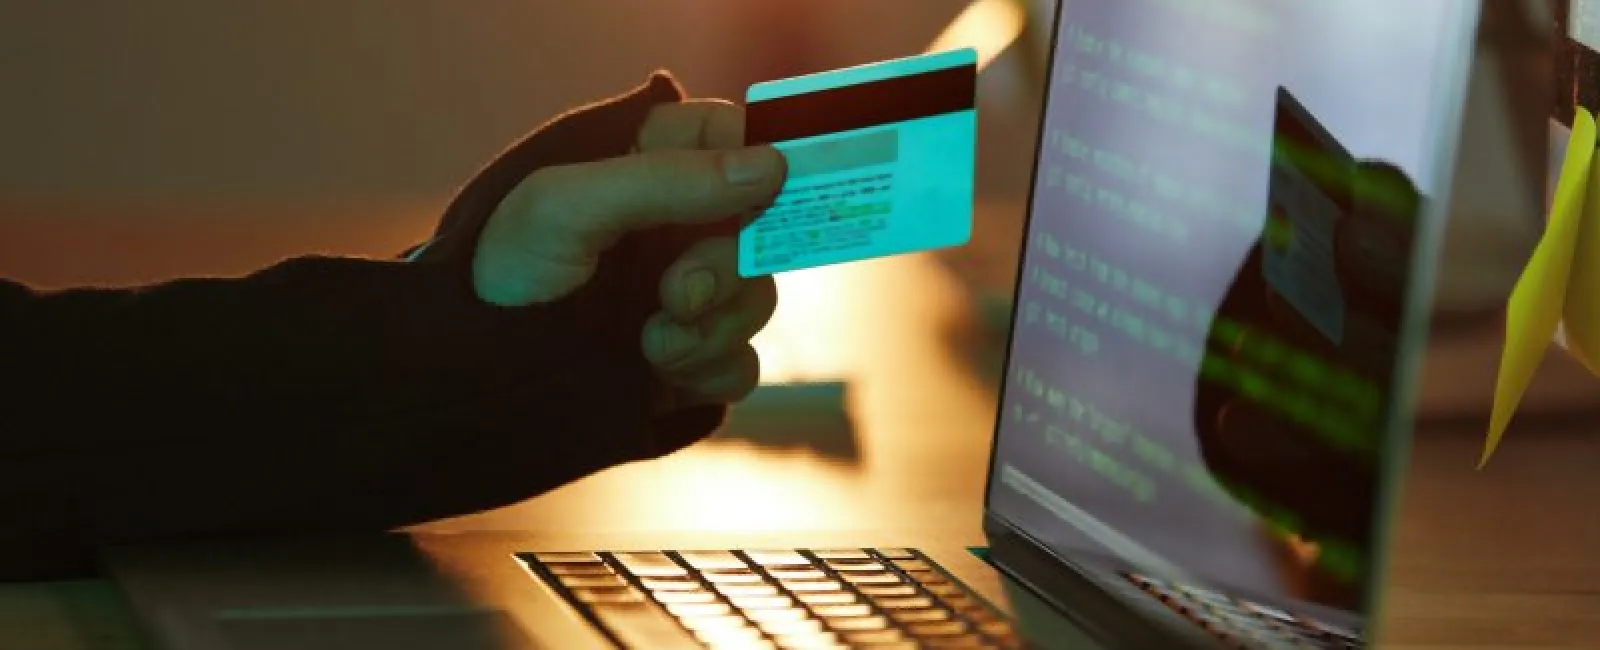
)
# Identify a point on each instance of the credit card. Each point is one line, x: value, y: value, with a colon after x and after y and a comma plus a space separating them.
x: 881, y: 159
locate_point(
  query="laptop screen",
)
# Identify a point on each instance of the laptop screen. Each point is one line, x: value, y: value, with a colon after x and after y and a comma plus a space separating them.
x: 1220, y: 240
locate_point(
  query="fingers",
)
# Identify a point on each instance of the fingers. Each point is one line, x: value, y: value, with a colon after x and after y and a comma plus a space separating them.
x: 693, y: 124
x: 700, y: 343
x: 706, y: 276
x: 602, y: 200
x: 545, y: 239
x: 732, y: 379
x: 675, y: 347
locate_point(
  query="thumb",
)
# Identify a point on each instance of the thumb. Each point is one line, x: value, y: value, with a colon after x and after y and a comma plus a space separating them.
x: 544, y: 241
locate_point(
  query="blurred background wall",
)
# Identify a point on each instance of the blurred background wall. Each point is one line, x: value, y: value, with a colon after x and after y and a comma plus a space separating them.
x: 354, y: 99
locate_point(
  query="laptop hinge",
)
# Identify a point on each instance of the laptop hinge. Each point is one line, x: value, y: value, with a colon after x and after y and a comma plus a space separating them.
x: 1088, y: 603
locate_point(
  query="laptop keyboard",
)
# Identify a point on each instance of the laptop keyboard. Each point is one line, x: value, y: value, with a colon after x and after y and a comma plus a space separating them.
x: 1240, y: 623
x: 781, y: 599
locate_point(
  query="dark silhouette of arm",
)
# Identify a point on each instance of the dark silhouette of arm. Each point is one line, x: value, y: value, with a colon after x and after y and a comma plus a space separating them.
x: 328, y: 394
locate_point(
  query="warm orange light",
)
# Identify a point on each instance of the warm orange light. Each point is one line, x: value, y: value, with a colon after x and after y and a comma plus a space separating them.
x: 988, y: 26
x: 801, y: 343
x: 736, y: 487
x: 1305, y: 551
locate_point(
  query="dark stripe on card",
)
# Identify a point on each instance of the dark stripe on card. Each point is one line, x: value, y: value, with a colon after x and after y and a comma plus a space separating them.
x: 861, y: 105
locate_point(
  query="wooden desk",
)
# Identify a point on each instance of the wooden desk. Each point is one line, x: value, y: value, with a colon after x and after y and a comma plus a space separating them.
x: 1504, y: 558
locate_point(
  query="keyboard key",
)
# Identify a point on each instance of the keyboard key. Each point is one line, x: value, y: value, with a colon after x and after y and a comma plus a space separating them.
x: 729, y: 636
x: 580, y: 569
x: 898, y: 553
x: 732, y: 591
x: 981, y: 614
x: 748, y: 603
x: 776, y: 615
x: 732, y: 577
x: 797, y: 574
x: 880, y: 578
x: 926, y: 577
x: 918, y: 615
x: 1206, y: 596
x: 706, y: 623
x: 711, y: 560
x: 781, y: 628
x: 1285, y: 644
x: 699, y: 610
x: 820, y: 585
x: 890, y: 591
x: 842, y: 554
x: 875, y: 637
x: 826, y: 598
x: 754, y: 644
x: 957, y: 641
x: 960, y: 602
x: 649, y: 564
x: 855, y: 565
x: 1260, y: 628
x: 807, y: 641
x: 914, y: 602
x: 567, y: 558
x: 1327, y: 629
x: 778, y: 558
x: 644, y: 627
x: 943, y: 589
x: 842, y: 611
x: 1141, y: 580
x: 858, y: 623
x: 913, y: 565
x: 1269, y: 612
x: 996, y: 628
x: 608, y: 595
x: 672, y: 597
x: 672, y: 583
x: 592, y: 582
x: 939, y: 628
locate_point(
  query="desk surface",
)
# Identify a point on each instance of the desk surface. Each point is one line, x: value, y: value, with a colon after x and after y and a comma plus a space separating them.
x: 1502, y: 558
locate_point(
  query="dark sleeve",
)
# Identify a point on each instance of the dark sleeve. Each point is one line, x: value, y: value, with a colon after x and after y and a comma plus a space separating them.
x: 327, y: 394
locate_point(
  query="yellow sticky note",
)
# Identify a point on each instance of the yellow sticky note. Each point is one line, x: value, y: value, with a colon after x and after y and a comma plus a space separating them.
x: 1540, y: 296
x: 1580, y: 317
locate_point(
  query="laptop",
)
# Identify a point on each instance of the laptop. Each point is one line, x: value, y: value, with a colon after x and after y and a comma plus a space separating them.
x: 1205, y: 411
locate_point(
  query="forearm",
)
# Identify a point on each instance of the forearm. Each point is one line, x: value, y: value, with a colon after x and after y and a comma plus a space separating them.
x: 311, y: 338
x: 318, y: 396
x: 326, y: 395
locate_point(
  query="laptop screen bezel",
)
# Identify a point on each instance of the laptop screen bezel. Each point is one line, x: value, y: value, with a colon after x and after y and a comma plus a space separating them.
x: 1449, y: 97
x: 1572, y: 55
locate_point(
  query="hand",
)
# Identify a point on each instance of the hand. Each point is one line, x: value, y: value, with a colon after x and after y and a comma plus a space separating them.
x: 545, y: 239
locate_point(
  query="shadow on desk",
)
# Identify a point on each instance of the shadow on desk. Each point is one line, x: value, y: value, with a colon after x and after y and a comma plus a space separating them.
x: 806, y: 418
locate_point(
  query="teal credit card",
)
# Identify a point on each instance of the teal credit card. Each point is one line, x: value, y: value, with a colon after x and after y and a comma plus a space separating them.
x: 881, y: 162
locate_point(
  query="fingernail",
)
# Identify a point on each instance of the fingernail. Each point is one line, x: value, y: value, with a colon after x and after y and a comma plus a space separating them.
x: 700, y: 285
x: 750, y: 165
x: 673, y: 341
